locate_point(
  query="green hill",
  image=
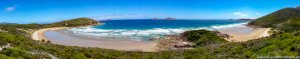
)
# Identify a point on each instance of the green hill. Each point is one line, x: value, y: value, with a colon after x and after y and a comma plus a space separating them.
x: 75, y: 22
x: 287, y: 18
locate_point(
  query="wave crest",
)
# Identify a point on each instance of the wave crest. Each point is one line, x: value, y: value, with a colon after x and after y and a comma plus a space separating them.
x: 138, y: 35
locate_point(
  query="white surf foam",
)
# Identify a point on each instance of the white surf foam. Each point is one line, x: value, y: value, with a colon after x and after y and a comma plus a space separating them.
x: 138, y: 35
x: 228, y: 25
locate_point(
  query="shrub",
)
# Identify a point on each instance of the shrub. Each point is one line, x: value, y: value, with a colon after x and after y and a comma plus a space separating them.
x: 203, y: 37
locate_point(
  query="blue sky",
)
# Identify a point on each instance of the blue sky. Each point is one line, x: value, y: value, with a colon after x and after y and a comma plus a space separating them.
x: 47, y: 11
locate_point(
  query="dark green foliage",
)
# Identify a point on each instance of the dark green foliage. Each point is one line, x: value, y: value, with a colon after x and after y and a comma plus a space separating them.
x: 2, y: 56
x: 16, y: 52
x: 203, y: 37
x: 23, y: 26
x: 284, y: 44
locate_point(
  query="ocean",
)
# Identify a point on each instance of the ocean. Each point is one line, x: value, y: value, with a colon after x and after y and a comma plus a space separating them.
x: 145, y: 29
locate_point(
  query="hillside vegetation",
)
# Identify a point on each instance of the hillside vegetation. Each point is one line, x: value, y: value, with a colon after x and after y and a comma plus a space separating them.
x: 75, y: 22
x: 203, y: 37
x: 284, y: 19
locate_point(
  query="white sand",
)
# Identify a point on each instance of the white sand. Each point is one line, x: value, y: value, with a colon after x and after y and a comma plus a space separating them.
x: 255, y: 33
x: 39, y: 34
x: 62, y: 39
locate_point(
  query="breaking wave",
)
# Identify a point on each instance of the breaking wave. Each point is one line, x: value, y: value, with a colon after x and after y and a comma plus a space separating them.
x: 136, y: 34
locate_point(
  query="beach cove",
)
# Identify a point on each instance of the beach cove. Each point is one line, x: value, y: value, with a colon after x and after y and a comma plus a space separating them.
x: 56, y: 35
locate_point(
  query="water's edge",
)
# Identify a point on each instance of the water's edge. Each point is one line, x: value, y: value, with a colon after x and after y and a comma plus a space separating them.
x: 135, y: 34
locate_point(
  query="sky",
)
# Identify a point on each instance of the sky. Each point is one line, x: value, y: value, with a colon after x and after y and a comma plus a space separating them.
x: 47, y: 11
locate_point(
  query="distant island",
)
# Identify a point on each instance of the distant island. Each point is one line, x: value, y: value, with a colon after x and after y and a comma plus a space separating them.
x: 168, y: 18
x: 244, y: 19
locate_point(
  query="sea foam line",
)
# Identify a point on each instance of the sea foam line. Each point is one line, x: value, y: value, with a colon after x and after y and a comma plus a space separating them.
x: 228, y: 25
x: 140, y: 34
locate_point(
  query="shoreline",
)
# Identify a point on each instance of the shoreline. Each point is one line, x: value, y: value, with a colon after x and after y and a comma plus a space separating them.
x: 254, y: 33
x: 45, y: 35
x: 50, y: 34
x: 39, y: 34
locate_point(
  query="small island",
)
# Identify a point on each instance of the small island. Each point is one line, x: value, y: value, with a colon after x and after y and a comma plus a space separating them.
x: 168, y: 18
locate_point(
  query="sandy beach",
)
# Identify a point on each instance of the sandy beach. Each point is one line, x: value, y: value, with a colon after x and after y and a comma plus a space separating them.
x: 39, y: 34
x: 245, y: 33
x: 59, y: 38
x: 239, y: 34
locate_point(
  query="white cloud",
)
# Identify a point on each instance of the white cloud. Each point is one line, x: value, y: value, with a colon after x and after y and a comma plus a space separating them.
x: 258, y: 14
x: 240, y: 14
x: 9, y: 9
x: 237, y: 13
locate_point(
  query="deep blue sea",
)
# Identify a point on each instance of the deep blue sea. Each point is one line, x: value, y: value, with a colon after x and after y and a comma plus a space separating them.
x: 145, y: 29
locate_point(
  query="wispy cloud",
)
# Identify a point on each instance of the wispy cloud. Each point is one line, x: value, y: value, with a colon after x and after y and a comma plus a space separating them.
x: 251, y: 15
x: 240, y: 14
x: 11, y: 8
x: 258, y: 14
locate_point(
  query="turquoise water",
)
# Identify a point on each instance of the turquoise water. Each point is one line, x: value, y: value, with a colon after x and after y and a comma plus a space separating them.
x: 145, y: 29
x: 164, y: 24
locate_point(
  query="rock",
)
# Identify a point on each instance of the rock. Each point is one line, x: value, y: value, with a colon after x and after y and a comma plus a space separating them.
x: 226, y: 36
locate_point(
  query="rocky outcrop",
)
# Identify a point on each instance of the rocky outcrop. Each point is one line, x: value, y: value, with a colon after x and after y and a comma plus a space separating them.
x: 173, y: 42
x: 225, y: 36
x: 5, y: 46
